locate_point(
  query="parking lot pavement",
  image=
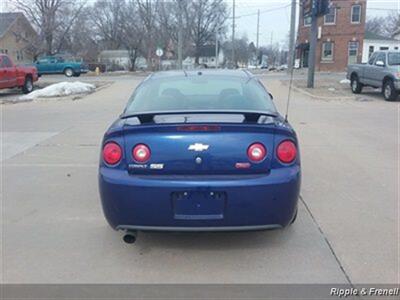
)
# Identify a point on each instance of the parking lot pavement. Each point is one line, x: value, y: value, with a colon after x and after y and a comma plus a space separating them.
x: 350, y: 179
x: 54, y: 230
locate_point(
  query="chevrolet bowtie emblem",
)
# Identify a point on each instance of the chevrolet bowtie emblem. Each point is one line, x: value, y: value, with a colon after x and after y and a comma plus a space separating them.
x: 198, y: 147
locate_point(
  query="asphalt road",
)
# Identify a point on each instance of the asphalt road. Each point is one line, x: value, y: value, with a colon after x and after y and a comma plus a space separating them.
x: 53, y: 230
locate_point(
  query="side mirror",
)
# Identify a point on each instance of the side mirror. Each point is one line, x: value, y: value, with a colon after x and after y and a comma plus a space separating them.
x: 272, y: 97
x: 380, y: 63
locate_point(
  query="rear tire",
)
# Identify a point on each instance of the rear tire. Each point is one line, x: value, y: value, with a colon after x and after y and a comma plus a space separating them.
x: 389, y: 91
x: 69, y: 72
x: 77, y: 74
x: 28, y: 85
x: 356, y: 86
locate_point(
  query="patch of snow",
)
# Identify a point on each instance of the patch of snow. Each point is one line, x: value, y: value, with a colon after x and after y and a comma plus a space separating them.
x: 60, y: 89
x: 344, y: 81
x: 331, y: 89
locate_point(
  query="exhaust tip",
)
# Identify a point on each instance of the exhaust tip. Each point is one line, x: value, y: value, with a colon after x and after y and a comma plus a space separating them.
x: 130, y: 237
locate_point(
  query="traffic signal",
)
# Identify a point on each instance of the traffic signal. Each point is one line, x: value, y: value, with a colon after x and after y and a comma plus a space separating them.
x: 323, y: 7
x: 307, y: 7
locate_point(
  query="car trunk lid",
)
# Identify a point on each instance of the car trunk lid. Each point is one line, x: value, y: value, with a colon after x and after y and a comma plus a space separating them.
x: 198, y: 147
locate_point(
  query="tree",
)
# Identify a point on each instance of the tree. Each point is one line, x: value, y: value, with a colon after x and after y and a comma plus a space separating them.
x: 173, y: 17
x: 147, y: 11
x: 384, y: 26
x: 53, y: 19
x: 107, y: 17
x: 82, y: 39
x: 132, y: 32
x: 206, y: 18
x: 243, y: 50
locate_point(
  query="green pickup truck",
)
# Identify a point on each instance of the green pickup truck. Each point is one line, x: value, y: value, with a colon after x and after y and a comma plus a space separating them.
x: 58, y: 65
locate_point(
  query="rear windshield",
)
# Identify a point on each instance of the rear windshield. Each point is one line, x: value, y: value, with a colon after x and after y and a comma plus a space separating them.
x: 394, y: 59
x: 200, y: 93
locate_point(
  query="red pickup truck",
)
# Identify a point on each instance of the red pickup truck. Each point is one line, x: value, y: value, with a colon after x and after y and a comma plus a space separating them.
x: 12, y: 76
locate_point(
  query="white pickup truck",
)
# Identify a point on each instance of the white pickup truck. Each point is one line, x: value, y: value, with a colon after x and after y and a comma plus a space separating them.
x: 381, y: 71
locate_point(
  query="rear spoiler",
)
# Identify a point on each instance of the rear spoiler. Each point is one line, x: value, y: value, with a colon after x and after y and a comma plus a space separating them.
x: 254, y: 117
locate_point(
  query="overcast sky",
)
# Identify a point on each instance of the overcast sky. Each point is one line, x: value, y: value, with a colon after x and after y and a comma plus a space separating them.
x: 275, y: 17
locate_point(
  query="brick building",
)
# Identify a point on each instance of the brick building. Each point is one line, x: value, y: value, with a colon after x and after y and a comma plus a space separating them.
x: 340, y: 36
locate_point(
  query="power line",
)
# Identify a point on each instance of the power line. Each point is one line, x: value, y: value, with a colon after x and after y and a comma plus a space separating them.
x: 383, y: 9
x: 262, y: 12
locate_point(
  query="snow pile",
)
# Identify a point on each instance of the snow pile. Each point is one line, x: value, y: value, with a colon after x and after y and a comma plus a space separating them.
x: 344, y: 81
x: 60, y: 89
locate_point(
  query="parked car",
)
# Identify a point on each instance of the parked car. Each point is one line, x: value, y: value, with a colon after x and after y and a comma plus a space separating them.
x: 199, y: 151
x: 58, y: 65
x: 381, y: 71
x: 12, y: 76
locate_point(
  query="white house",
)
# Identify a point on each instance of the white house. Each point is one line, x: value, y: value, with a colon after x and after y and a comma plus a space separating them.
x: 207, y: 58
x: 375, y: 42
x: 119, y: 60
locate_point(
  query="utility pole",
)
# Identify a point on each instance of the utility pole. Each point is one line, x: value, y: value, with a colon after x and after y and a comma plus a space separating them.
x: 258, y: 27
x: 313, y: 45
x: 216, y: 48
x: 180, y: 35
x: 258, y: 34
x: 233, y: 34
x: 292, y: 37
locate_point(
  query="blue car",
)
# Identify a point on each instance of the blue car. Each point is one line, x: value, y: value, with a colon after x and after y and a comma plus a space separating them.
x: 199, y: 151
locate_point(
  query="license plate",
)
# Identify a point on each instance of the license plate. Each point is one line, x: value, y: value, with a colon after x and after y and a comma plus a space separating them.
x: 194, y: 205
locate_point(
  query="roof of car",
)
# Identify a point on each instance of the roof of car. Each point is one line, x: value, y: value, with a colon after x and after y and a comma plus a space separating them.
x: 203, y: 72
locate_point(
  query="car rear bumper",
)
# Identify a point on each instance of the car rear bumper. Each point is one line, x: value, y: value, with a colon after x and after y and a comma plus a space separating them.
x: 251, y: 202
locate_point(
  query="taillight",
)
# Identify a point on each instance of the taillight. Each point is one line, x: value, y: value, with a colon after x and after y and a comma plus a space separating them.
x: 199, y: 128
x: 256, y: 152
x: 141, y: 153
x: 286, y: 152
x: 112, y: 153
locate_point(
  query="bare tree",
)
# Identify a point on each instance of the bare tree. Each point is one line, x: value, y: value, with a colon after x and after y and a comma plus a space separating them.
x: 82, y: 39
x: 132, y: 32
x: 174, y: 16
x: 147, y: 12
x: 107, y: 18
x: 53, y: 18
x: 384, y: 26
x: 243, y: 50
x: 207, y: 17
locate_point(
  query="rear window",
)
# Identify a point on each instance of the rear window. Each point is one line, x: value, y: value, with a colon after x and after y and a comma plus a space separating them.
x: 200, y: 93
x: 394, y: 59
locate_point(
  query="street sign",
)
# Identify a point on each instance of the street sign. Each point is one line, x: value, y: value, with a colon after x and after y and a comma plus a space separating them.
x: 159, y: 52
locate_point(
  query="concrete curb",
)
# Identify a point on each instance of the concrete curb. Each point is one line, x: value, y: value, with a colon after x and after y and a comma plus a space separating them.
x: 301, y: 90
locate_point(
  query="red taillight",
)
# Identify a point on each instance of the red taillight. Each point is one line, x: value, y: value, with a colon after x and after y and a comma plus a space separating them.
x: 141, y: 153
x: 256, y: 152
x: 112, y: 153
x: 286, y: 152
x: 199, y: 128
